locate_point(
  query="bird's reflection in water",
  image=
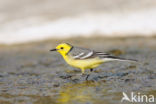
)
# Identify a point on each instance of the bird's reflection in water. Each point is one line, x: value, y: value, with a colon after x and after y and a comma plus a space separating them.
x: 85, y: 92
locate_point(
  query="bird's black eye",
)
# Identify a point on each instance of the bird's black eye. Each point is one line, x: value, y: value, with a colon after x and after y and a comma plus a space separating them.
x: 61, y: 47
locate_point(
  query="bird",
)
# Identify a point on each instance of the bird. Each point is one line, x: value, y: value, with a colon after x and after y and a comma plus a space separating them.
x: 84, y: 58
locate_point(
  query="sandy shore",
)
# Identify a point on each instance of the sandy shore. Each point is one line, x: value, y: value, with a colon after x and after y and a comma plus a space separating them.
x: 30, y: 74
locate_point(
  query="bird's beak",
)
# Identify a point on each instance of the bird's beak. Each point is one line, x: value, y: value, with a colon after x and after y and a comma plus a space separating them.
x: 53, y: 50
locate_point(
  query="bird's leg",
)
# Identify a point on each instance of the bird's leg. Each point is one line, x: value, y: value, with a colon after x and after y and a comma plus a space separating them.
x: 82, y: 70
x: 89, y: 74
x: 91, y: 70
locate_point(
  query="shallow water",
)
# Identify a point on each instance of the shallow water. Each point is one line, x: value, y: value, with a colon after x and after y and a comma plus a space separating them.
x: 30, y: 74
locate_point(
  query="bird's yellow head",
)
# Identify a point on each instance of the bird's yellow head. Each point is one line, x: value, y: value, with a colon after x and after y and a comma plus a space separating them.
x: 63, y: 48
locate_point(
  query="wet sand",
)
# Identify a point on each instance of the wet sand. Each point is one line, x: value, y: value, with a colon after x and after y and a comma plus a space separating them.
x: 30, y: 74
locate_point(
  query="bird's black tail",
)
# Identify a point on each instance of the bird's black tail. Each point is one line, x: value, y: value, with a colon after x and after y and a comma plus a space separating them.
x: 114, y: 58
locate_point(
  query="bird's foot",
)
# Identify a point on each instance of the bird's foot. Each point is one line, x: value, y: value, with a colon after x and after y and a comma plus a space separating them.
x: 83, y: 75
x: 87, y: 76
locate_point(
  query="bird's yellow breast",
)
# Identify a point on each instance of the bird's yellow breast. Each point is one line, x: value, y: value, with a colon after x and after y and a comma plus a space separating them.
x: 83, y: 64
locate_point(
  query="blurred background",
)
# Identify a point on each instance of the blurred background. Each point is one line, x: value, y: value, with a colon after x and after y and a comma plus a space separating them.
x: 30, y: 74
x: 27, y: 20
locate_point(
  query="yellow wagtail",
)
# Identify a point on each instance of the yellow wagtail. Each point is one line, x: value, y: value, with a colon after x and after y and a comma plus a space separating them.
x: 83, y: 58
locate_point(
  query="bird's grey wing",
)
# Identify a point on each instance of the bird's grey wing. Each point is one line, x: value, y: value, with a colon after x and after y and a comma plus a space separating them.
x: 105, y: 55
x: 81, y: 53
